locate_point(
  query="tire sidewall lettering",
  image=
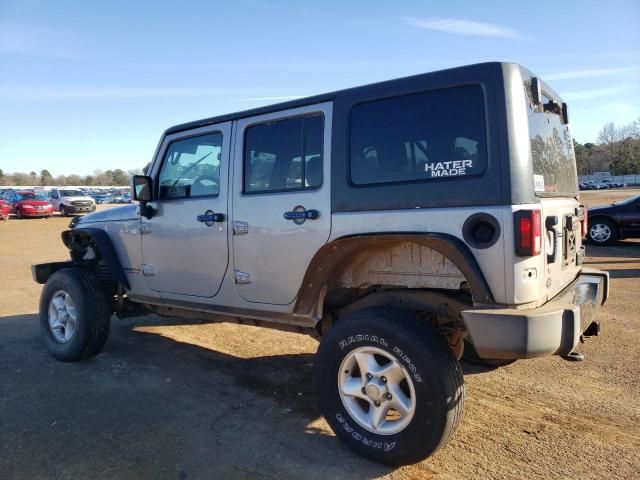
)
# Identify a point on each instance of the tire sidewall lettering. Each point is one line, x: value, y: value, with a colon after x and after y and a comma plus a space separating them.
x: 382, y: 342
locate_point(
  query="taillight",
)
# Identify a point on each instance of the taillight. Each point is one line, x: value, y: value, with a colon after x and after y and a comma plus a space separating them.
x: 585, y: 227
x: 528, y: 232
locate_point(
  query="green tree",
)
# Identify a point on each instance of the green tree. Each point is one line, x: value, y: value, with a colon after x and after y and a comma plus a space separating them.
x: 46, y: 178
x: 120, y: 177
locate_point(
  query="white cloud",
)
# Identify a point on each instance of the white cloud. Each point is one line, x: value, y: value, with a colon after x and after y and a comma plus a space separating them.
x: 598, y: 72
x: 464, y: 27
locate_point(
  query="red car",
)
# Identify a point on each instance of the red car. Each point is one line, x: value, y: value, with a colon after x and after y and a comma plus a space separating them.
x: 28, y: 204
x: 5, y: 209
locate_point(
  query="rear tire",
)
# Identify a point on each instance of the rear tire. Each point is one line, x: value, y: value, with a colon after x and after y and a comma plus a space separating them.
x: 430, y: 392
x: 602, y: 232
x: 74, y: 315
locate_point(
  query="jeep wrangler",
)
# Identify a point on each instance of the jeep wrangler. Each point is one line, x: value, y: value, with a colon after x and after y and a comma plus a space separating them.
x: 401, y: 223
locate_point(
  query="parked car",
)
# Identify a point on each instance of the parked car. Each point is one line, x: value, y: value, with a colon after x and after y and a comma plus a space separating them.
x: 617, y: 221
x: 117, y: 198
x: 594, y: 185
x: 68, y: 201
x: 5, y: 209
x: 25, y: 203
x: 101, y: 198
x: 368, y: 218
x: 608, y: 183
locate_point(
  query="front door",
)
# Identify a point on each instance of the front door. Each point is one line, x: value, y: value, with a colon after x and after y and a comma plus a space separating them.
x: 184, y: 245
x: 281, y: 200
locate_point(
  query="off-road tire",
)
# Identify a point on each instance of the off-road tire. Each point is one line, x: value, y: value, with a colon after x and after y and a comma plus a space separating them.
x: 471, y: 355
x: 613, y: 237
x: 437, y: 379
x: 93, y: 317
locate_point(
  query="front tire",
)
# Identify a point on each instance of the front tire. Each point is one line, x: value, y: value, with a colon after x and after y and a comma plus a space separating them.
x: 409, y: 400
x: 18, y: 214
x: 74, y: 315
x: 63, y: 211
x: 602, y: 232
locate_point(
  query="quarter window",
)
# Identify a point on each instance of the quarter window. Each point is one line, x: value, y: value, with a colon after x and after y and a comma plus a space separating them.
x: 191, y: 168
x: 432, y: 135
x: 284, y: 155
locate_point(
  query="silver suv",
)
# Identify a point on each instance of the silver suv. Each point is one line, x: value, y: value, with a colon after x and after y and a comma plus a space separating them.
x: 404, y: 224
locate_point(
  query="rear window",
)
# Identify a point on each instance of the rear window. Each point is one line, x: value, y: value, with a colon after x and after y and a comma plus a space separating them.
x: 554, y: 163
x: 420, y: 137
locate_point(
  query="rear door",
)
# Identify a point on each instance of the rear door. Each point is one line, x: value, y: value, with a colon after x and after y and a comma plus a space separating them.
x: 556, y: 185
x: 184, y: 248
x: 281, y: 200
x: 630, y: 218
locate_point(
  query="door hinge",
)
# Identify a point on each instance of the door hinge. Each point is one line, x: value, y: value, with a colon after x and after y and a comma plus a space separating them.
x: 147, y: 270
x: 240, y: 228
x: 242, y: 278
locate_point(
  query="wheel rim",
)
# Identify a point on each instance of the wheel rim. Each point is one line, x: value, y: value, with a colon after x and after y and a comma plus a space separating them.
x: 376, y: 391
x: 600, y: 232
x: 62, y: 316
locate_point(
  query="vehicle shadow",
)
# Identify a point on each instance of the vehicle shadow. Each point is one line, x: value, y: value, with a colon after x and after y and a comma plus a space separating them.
x: 153, y: 407
x: 625, y: 249
x: 623, y: 273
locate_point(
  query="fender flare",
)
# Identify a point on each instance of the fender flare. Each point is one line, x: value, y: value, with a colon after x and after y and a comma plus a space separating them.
x: 335, y: 252
x: 108, y: 253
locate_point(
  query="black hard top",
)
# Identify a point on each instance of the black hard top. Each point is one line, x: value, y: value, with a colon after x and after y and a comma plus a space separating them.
x: 391, y: 85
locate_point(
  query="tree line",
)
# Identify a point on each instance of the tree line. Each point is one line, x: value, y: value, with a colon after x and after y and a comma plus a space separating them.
x: 45, y: 178
x: 617, y: 151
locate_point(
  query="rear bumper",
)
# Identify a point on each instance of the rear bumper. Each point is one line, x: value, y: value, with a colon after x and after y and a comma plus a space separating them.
x: 552, y: 329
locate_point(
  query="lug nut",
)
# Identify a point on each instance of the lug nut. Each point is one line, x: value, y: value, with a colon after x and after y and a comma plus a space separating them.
x: 364, y: 391
x: 384, y: 379
x: 376, y: 403
x: 388, y: 396
x: 369, y: 376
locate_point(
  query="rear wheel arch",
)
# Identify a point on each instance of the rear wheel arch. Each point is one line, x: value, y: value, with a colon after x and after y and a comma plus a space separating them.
x: 338, y: 256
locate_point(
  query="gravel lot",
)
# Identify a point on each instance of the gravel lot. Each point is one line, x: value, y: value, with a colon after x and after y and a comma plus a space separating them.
x: 168, y: 400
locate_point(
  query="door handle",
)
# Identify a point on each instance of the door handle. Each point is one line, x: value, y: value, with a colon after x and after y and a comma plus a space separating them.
x: 301, y: 214
x: 210, y: 218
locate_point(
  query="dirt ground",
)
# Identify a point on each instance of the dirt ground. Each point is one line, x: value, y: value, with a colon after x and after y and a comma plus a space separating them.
x: 168, y: 400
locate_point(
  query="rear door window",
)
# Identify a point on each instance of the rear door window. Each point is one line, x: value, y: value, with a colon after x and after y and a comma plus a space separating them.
x: 421, y: 137
x: 284, y: 155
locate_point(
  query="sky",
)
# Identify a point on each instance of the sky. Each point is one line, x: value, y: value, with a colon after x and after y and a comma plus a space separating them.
x: 92, y: 85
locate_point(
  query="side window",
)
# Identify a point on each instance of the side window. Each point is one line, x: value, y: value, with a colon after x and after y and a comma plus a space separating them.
x: 191, y: 168
x: 418, y: 137
x: 284, y: 155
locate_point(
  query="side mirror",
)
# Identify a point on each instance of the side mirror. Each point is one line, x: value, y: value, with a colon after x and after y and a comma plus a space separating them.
x: 141, y: 191
x: 142, y: 188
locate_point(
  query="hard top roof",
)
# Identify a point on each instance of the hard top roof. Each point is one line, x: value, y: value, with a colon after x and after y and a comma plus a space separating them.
x: 328, y: 96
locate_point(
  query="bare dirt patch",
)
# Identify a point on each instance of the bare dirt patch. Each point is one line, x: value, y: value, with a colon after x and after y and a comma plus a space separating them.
x: 168, y: 400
